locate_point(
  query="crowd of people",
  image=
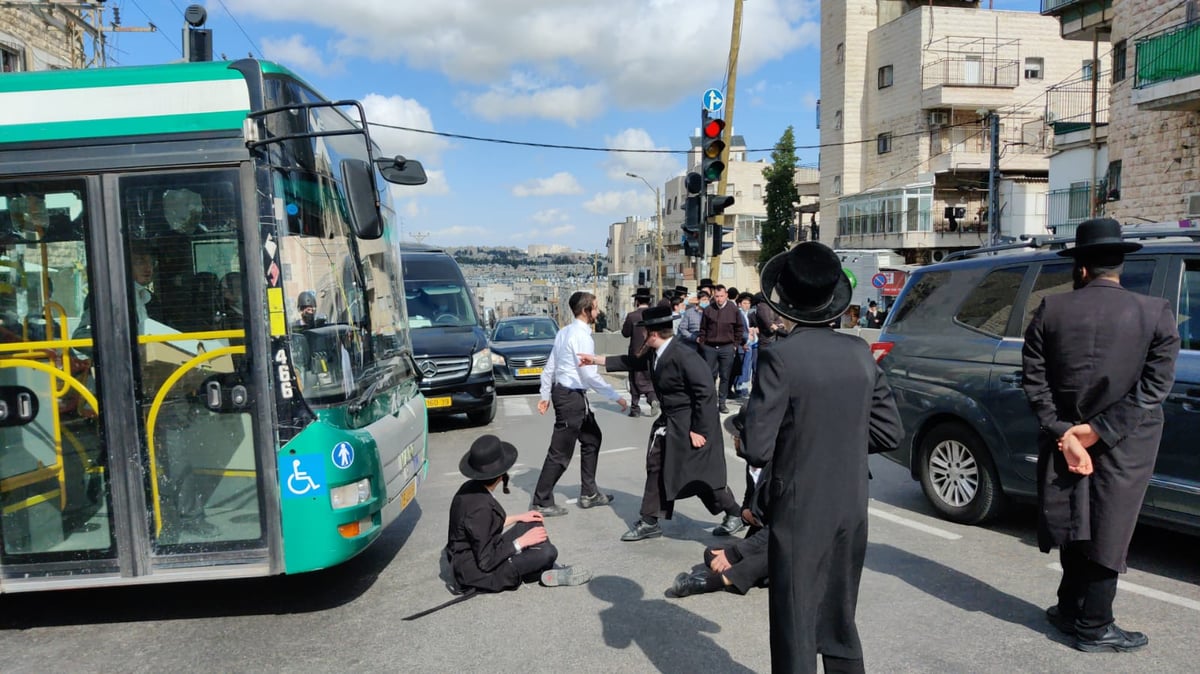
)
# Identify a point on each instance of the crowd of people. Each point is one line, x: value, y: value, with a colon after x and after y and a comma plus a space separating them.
x: 805, y: 504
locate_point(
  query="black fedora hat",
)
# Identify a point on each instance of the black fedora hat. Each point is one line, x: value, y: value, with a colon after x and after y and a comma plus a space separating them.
x: 681, y: 290
x: 656, y: 316
x: 1100, y: 236
x: 489, y: 458
x: 806, y: 284
x: 706, y: 283
x: 641, y: 292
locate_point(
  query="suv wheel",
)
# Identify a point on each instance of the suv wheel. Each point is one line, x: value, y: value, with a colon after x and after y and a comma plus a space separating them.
x: 958, y: 476
x: 483, y: 417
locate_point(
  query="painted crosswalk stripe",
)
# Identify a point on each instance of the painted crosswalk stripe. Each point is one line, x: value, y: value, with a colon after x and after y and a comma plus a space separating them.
x: 517, y: 407
x: 1146, y: 591
x: 912, y: 524
x: 618, y: 449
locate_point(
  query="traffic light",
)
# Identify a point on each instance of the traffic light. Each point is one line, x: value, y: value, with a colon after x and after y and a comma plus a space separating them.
x: 693, y: 223
x: 711, y: 148
x: 719, y: 243
x: 717, y: 203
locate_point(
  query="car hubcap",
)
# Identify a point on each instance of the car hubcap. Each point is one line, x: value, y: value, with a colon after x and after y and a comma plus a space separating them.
x: 953, y: 473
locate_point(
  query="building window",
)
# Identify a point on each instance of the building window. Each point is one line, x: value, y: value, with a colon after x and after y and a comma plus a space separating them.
x: 10, y: 59
x: 885, y: 77
x: 883, y: 143
x: 1034, y: 67
x: 1112, y: 182
x: 837, y: 120
x: 1087, y: 68
x: 837, y: 185
x: 1118, y: 61
x: 841, y: 52
x: 758, y: 192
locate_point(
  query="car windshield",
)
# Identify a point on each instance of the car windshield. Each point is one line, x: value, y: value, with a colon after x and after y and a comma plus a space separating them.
x: 438, y: 303
x: 525, y: 330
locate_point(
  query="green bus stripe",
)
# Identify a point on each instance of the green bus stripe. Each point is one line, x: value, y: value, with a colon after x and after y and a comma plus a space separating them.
x: 131, y: 126
x: 115, y: 77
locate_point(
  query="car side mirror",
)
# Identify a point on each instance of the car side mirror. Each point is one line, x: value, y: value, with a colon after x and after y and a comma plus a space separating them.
x: 364, y: 200
x: 399, y: 170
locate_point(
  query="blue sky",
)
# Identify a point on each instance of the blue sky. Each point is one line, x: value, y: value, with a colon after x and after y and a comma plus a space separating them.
x: 623, y: 74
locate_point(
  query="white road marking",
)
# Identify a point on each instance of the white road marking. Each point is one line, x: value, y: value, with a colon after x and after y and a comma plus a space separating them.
x: 1146, y: 591
x: 512, y: 471
x: 904, y: 521
x: 618, y: 449
x: 525, y: 469
x: 517, y: 407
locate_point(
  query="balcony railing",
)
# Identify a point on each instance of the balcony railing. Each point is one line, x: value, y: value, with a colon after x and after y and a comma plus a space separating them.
x: 1069, y: 105
x: 1051, y: 5
x: 964, y: 72
x: 1068, y: 207
x: 1170, y: 55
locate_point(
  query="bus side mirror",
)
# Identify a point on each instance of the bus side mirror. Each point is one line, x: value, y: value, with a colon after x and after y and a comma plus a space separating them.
x: 401, y: 171
x: 364, y: 200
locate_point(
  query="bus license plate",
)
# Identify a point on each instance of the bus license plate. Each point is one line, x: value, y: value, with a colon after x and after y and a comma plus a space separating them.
x: 528, y: 371
x: 440, y: 401
x: 406, y: 496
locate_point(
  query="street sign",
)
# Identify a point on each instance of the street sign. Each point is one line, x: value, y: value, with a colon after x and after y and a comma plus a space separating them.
x: 879, y: 280
x: 713, y: 100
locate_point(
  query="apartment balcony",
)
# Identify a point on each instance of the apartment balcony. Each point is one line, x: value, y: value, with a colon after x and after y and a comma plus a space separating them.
x: 966, y: 82
x: 967, y: 148
x: 1069, y: 105
x: 1168, y: 69
x: 973, y: 237
x: 1079, y: 19
x: 1067, y: 208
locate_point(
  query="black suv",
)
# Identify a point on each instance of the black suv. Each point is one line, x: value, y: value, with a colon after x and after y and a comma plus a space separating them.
x: 952, y: 352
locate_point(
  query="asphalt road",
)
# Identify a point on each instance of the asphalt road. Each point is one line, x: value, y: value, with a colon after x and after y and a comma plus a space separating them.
x: 936, y: 597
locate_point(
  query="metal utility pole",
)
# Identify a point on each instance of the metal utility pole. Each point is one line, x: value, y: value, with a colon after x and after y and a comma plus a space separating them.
x: 660, y: 268
x: 76, y: 20
x: 994, y: 179
x: 1095, y: 145
x: 735, y: 43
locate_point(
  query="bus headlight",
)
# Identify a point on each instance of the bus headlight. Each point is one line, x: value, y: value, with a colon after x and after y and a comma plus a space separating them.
x: 482, y: 362
x: 350, y: 495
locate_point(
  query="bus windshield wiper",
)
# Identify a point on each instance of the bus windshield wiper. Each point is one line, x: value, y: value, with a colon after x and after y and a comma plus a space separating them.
x: 368, y: 395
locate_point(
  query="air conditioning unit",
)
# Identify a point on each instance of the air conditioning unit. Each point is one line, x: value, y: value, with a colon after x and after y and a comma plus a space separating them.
x: 1193, y: 205
x: 939, y: 117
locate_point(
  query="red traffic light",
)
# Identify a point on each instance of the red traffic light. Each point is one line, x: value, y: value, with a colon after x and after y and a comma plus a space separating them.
x: 713, y: 128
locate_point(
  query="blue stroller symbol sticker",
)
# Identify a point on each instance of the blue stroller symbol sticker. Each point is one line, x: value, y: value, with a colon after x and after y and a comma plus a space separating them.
x: 343, y: 455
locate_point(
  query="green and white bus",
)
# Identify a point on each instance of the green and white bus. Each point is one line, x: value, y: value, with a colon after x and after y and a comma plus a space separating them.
x: 205, y: 366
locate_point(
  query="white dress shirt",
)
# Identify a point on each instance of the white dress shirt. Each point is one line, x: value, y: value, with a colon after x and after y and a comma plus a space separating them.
x: 659, y: 351
x: 562, y: 367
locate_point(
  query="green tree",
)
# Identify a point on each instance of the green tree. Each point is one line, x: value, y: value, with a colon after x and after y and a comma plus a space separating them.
x: 782, y: 196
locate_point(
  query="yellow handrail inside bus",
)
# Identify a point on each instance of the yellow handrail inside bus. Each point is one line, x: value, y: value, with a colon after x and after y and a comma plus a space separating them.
x: 156, y: 405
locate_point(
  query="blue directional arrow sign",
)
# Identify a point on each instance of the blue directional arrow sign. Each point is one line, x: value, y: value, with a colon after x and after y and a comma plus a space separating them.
x: 713, y: 100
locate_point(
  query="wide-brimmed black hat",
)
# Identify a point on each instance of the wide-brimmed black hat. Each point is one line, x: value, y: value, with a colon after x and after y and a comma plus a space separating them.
x: 656, y: 316
x: 806, y: 284
x: 1099, y: 236
x: 489, y: 458
x: 706, y: 283
x: 641, y: 292
x: 681, y: 290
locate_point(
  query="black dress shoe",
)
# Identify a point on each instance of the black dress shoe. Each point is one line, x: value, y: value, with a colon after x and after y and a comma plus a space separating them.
x: 729, y: 526
x: 687, y: 584
x: 641, y: 531
x: 1064, y: 624
x: 723, y: 409
x: 1113, y: 640
x: 597, y: 499
x: 551, y: 510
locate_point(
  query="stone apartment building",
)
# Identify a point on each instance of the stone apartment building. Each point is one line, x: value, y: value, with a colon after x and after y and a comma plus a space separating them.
x: 1149, y: 172
x: 42, y: 38
x: 906, y: 90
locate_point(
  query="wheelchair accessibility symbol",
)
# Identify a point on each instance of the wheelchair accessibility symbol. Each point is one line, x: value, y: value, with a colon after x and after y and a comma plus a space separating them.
x: 303, y: 476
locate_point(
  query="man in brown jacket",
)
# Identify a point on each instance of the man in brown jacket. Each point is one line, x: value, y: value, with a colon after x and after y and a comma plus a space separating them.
x: 722, y: 333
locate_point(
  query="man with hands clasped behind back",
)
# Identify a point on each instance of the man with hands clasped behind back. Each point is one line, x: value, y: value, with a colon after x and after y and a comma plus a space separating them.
x: 1098, y: 362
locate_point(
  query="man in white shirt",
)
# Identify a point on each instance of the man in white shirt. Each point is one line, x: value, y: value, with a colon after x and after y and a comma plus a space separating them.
x: 565, y: 384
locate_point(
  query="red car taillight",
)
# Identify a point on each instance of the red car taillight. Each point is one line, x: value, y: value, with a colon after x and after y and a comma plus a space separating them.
x: 880, y: 349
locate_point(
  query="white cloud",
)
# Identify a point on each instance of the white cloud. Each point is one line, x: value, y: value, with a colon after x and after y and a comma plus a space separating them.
x: 456, y: 233
x: 627, y: 53
x: 655, y: 167
x: 550, y: 215
x: 295, y: 52
x: 400, y: 111
x: 567, y: 104
x: 560, y: 231
x: 559, y: 183
x: 629, y: 202
x: 809, y: 100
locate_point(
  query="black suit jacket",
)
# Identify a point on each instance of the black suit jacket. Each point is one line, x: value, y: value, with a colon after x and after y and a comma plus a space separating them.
x: 478, y: 555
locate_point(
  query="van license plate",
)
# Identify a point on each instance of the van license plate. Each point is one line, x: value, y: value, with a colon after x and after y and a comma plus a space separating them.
x: 528, y: 371
x: 440, y: 401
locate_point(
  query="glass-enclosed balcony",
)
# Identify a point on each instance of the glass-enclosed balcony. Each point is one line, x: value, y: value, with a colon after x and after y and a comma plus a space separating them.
x: 1168, y: 69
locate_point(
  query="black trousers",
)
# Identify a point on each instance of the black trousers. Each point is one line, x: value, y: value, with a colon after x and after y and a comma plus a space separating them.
x: 720, y: 361
x: 573, y: 422
x: 532, y: 561
x: 640, y: 384
x: 655, y: 503
x: 748, y: 558
x: 1086, y: 591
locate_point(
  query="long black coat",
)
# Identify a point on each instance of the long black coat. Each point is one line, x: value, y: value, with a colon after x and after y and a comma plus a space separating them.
x: 818, y: 406
x: 478, y: 555
x: 687, y: 404
x: 1105, y: 356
